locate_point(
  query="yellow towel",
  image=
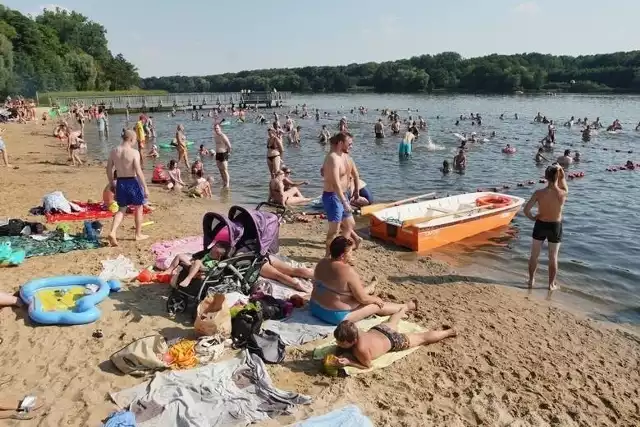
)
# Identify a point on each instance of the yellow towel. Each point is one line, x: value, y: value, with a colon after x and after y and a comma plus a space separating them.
x: 329, y: 345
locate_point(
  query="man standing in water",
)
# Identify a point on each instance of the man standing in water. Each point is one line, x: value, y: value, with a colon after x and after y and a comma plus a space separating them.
x: 130, y: 189
x: 337, y: 169
x: 378, y: 129
x: 223, y: 149
x: 548, y: 221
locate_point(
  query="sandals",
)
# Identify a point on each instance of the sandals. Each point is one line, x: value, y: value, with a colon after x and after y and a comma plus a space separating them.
x: 24, y: 411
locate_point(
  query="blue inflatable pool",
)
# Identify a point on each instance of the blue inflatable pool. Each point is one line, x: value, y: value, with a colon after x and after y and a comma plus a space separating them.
x: 66, y: 300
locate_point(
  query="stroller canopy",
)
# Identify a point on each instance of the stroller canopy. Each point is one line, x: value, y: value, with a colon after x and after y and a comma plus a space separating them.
x: 262, y: 226
x: 213, y: 223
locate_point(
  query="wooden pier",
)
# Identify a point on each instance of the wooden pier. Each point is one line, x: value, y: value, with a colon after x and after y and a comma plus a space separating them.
x: 192, y: 101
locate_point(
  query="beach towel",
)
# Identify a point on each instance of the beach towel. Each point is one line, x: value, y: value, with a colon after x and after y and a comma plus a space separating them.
x: 56, y: 243
x: 300, y: 328
x: 329, y: 346
x: 349, y: 416
x: 236, y: 392
x: 90, y: 211
x: 166, y: 251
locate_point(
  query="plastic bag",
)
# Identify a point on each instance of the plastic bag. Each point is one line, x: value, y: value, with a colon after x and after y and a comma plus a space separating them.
x: 213, y: 316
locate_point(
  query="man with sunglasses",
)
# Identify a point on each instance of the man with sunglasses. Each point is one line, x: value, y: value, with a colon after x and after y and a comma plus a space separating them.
x: 548, y: 221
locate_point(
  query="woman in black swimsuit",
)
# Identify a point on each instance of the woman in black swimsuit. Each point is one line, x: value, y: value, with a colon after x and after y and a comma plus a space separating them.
x: 274, y: 152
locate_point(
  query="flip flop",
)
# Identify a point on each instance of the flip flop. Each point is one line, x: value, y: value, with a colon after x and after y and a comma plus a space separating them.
x: 21, y: 416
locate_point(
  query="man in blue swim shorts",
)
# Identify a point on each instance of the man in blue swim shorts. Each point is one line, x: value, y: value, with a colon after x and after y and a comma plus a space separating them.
x: 338, y: 168
x: 129, y: 187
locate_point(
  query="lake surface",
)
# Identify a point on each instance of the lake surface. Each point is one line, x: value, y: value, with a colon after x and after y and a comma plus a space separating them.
x: 601, y: 228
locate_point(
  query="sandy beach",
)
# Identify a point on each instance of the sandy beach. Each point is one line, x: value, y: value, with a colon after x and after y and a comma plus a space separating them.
x: 518, y: 360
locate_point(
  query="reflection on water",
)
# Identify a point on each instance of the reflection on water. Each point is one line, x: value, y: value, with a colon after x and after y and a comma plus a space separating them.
x: 598, y: 257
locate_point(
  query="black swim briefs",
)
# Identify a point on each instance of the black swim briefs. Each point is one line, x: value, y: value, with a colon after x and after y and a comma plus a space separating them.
x: 551, y: 231
x: 222, y: 157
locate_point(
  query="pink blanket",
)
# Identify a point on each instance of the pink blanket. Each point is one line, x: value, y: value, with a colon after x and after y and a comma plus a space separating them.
x: 166, y: 251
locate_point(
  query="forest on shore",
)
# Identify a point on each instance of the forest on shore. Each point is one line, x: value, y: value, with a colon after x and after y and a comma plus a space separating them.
x: 444, y: 72
x: 58, y: 51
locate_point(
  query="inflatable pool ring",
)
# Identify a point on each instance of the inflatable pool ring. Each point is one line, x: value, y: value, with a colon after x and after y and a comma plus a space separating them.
x: 509, y: 150
x: 404, y: 149
x: 169, y: 144
x: 496, y: 201
x: 66, y: 300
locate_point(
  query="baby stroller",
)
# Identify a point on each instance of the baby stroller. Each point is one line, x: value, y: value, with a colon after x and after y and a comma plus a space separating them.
x: 253, y: 235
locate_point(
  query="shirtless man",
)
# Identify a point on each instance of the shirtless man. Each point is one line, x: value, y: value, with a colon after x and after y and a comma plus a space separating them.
x: 378, y: 129
x: 336, y: 171
x: 548, y: 221
x: 223, y: 150
x: 290, y: 197
x: 131, y: 188
x: 539, y: 157
x: 181, y: 146
x: 460, y: 161
x: 552, y: 132
x: 73, y: 147
x: 342, y: 125
x: 566, y: 159
x: 381, y: 339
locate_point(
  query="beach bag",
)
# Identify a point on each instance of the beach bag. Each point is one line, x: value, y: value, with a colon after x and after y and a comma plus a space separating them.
x: 247, y: 322
x: 141, y: 356
x: 213, y: 316
x: 268, y: 346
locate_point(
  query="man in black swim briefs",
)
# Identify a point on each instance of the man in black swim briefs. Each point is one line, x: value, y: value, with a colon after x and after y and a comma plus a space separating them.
x: 223, y: 150
x: 548, y: 221
x: 378, y: 129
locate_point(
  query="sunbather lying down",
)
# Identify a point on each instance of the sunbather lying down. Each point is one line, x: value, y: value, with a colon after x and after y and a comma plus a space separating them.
x: 275, y: 269
x: 381, y: 339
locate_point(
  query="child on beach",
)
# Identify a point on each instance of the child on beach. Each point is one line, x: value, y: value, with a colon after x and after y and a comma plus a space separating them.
x: 381, y: 339
x: 207, y: 258
x: 175, y: 178
x: 153, y: 153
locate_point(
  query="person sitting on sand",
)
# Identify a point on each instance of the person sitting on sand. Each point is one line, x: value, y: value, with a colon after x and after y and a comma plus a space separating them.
x: 539, y: 157
x: 275, y: 269
x: 364, y: 196
x: 460, y: 161
x: 445, y: 169
x: 175, y: 178
x: 381, y: 339
x: 131, y: 188
x: 290, y: 197
x: 338, y: 292
x: 288, y: 182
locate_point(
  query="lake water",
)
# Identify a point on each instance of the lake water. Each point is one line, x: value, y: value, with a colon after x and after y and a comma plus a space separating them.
x: 601, y: 228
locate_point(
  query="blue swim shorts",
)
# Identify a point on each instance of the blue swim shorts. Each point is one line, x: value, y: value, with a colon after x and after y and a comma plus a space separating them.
x: 333, y: 207
x: 129, y: 192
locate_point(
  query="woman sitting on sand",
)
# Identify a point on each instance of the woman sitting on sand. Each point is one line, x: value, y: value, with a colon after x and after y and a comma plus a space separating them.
x: 338, y: 292
x: 290, y: 197
x: 175, y: 179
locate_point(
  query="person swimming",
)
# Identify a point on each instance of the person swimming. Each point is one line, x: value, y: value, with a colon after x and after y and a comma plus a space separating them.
x: 539, y: 157
x: 445, y: 169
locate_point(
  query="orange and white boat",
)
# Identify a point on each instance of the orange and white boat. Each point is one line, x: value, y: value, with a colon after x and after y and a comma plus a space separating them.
x: 433, y: 223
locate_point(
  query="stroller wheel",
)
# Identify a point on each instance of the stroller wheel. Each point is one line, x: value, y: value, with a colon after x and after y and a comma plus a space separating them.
x: 176, y: 303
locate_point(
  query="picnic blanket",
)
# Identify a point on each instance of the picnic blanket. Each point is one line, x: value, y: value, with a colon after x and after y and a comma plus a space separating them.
x: 90, y: 211
x: 329, y: 346
x: 300, y: 328
x: 166, y: 251
x: 349, y: 416
x: 57, y: 243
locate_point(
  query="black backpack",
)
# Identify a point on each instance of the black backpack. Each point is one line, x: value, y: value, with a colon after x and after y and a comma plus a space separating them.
x: 245, y: 323
x: 245, y: 332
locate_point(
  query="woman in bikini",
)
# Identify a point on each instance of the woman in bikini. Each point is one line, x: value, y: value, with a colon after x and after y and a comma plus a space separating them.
x: 338, y: 292
x: 275, y: 149
x: 290, y: 197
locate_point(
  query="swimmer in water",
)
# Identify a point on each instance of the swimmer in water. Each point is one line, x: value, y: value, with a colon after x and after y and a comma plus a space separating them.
x: 460, y: 161
x: 445, y: 169
x: 539, y: 157
x: 378, y: 129
x: 566, y: 159
x: 203, y: 151
x: 576, y: 157
x: 324, y: 135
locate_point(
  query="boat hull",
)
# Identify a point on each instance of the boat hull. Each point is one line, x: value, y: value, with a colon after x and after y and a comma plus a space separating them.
x: 428, y: 238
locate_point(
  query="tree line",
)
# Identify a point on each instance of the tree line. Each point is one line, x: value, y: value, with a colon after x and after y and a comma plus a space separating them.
x: 444, y: 72
x: 58, y: 51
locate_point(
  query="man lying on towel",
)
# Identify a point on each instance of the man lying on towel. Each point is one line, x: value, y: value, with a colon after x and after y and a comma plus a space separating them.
x: 381, y: 339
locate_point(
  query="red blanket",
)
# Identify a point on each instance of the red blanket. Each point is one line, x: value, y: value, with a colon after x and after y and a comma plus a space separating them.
x: 92, y: 211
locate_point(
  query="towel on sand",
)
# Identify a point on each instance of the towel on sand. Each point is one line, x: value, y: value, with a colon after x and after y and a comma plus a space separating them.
x: 329, y: 345
x: 349, y: 416
x: 166, y: 251
x: 236, y: 392
x: 300, y: 328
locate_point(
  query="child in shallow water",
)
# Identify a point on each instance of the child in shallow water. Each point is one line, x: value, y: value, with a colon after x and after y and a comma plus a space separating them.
x: 445, y: 169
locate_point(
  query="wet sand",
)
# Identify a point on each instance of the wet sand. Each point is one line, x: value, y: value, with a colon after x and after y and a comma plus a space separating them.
x: 518, y: 360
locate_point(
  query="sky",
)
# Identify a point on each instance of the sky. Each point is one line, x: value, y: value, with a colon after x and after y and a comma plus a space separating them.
x: 204, y: 37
